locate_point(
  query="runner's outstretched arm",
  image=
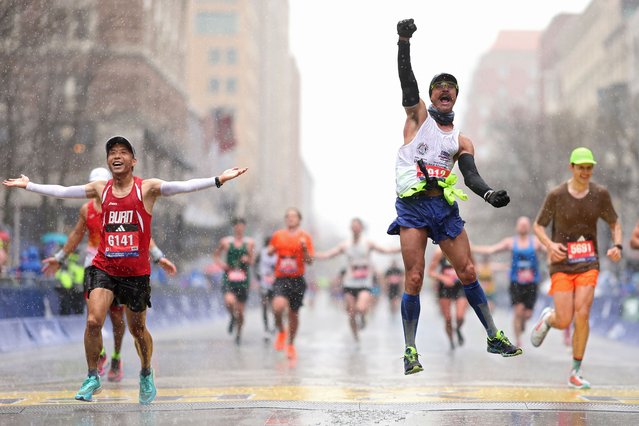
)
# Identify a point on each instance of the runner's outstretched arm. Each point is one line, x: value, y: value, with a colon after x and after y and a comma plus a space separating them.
x: 181, y: 187
x: 58, y: 191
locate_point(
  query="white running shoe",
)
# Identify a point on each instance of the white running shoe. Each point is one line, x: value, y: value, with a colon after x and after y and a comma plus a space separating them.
x: 577, y: 382
x: 541, y: 328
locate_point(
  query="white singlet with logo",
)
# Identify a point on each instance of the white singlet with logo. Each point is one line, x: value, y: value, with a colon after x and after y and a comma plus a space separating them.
x: 359, y: 273
x: 433, y: 145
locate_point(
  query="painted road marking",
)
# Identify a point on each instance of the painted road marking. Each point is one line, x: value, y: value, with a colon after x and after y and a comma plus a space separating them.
x: 378, y: 395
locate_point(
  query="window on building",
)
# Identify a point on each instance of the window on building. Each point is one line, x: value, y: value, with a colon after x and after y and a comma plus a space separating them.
x: 231, y: 56
x: 231, y: 85
x: 214, y: 56
x: 81, y: 24
x: 214, y: 85
x: 59, y: 23
x: 216, y: 23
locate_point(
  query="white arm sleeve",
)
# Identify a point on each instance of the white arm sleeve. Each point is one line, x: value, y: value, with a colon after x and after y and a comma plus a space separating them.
x: 59, y: 191
x: 180, y: 187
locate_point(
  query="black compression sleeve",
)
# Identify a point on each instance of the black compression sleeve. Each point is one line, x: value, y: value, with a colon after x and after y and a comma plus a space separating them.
x: 410, y: 91
x: 471, y: 176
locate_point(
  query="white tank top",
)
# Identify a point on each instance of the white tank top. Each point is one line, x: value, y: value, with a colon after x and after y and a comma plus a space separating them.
x: 433, y: 145
x: 359, y: 273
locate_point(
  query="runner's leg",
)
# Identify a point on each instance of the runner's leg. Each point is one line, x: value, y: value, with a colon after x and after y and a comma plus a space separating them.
x: 413, y: 245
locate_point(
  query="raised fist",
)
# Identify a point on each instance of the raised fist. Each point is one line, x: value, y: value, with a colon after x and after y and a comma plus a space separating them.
x: 498, y: 198
x: 406, y: 28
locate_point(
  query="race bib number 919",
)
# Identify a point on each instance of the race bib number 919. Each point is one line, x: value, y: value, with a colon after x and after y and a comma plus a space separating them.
x: 433, y: 172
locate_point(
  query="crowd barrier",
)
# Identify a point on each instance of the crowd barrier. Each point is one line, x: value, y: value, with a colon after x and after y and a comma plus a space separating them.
x: 29, y: 316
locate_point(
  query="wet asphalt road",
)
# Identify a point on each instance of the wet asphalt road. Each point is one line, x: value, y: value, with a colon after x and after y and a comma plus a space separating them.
x: 204, y: 378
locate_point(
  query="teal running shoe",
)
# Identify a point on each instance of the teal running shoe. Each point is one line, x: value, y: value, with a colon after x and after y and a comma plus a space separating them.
x: 147, y: 389
x: 91, y: 386
x: 411, y: 361
x: 501, y: 345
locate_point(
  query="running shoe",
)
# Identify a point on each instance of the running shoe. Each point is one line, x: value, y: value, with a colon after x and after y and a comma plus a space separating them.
x: 578, y: 382
x: 411, y: 362
x: 231, y: 325
x: 501, y: 345
x: 291, y: 353
x: 115, y: 372
x: 102, y: 362
x: 238, y: 340
x: 362, y: 322
x: 460, y: 337
x: 280, y: 341
x: 91, y: 386
x: 147, y: 389
x: 541, y: 328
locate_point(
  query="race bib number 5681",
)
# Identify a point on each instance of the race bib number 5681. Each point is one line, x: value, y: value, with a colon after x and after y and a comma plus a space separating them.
x: 581, y: 251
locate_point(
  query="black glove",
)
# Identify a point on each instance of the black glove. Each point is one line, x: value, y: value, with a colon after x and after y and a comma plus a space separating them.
x: 406, y: 28
x: 497, y: 198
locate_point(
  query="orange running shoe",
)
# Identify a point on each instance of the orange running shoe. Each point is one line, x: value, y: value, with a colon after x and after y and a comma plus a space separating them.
x: 280, y: 341
x: 291, y: 353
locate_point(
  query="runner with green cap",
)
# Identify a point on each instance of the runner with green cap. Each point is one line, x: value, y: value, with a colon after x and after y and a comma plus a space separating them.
x: 573, y: 209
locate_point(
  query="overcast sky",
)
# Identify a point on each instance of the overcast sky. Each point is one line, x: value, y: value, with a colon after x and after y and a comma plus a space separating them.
x: 352, y: 118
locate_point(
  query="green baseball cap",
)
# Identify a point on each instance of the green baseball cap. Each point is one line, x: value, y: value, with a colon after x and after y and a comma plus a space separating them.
x: 582, y: 155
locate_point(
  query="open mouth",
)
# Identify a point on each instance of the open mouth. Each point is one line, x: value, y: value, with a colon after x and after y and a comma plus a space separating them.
x: 445, y: 99
x: 117, y: 163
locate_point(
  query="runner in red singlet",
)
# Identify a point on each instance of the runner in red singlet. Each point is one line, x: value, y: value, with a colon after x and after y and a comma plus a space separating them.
x: 122, y: 265
x: 90, y: 220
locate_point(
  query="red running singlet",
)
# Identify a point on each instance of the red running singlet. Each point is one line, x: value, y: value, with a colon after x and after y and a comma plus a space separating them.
x: 126, y: 233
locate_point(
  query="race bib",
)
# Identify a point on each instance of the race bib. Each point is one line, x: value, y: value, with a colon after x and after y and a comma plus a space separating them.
x: 269, y: 279
x: 433, y: 172
x: 288, y: 265
x: 581, y: 251
x: 525, y: 276
x: 122, y: 240
x: 359, y: 272
x: 236, y: 275
x: 394, y: 279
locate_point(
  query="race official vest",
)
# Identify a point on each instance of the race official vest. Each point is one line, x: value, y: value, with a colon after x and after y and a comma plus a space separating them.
x: 126, y: 233
x: 359, y: 273
x: 435, y: 147
x: 94, y: 227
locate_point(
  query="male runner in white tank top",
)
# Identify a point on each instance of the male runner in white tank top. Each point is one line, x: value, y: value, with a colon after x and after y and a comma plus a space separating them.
x: 426, y: 207
x: 358, y: 279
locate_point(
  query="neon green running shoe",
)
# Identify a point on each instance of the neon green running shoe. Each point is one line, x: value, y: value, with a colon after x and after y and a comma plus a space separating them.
x: 501, y: 345
x: 411, y: 362
x: 91, y: 386
x: 147, y: 389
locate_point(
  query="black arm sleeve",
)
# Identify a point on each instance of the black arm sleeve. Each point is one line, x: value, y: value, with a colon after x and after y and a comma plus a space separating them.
x: 410, y: 91
x: 471, y: 176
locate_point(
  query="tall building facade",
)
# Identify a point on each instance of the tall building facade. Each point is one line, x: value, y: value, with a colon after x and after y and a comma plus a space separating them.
x: 504, y: 80
x: 83, y: 71
x: 244, y: 83
x: 591, y: 65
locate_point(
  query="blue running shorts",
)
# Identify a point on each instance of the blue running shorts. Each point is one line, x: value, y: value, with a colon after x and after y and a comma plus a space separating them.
x: 440, y: 219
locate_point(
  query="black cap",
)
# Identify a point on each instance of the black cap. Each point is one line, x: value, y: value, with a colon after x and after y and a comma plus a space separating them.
x: 237, y: 220
x: 442, y: 77
x: 119, y: 140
